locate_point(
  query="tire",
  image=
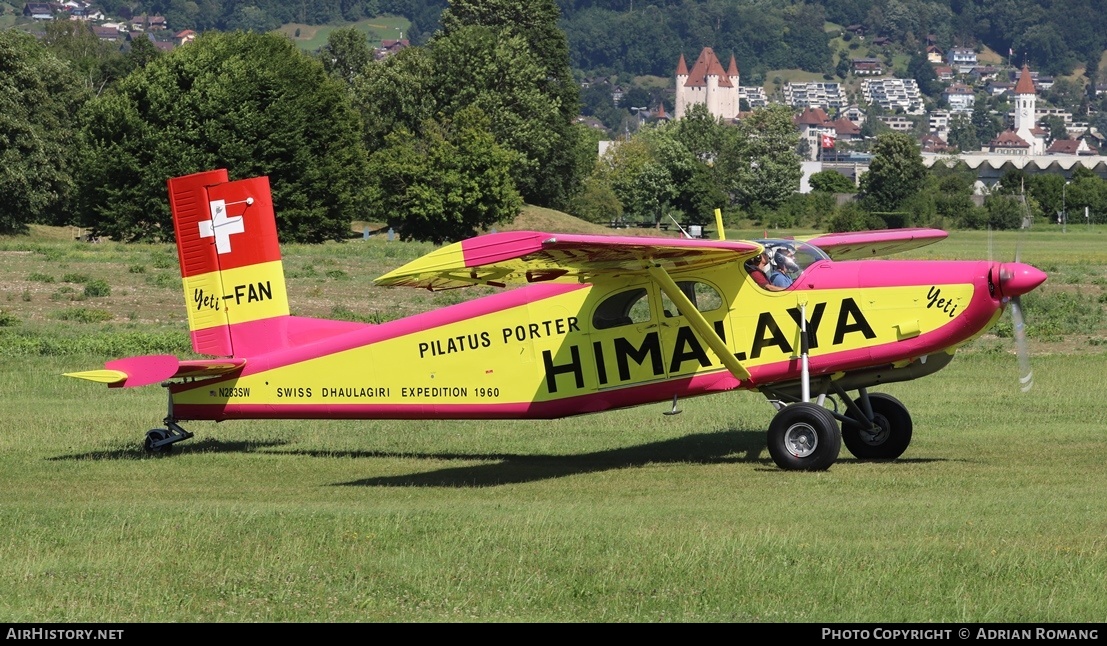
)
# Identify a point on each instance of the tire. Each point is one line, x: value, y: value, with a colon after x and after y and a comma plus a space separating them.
x: 156, y: 435
x: 804, y: 437
x: 892, y: 438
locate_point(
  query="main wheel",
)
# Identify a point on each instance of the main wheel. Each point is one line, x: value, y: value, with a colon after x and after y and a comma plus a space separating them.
x: 889, y: 436
x: 156, y: 435
x: 804, y: 437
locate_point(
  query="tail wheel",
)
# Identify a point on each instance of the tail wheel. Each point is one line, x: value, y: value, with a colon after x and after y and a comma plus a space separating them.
x: 887, y: 437
x: 804, y: 437
x: 153, y: 436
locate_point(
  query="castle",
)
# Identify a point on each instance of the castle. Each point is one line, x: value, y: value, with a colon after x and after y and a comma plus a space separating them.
x: 707, y: 83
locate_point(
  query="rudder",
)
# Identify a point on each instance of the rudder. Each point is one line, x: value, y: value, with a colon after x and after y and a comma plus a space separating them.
x: 230, y: 258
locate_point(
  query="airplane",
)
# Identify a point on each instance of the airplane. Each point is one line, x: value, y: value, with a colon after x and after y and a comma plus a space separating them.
x: 582, y: 324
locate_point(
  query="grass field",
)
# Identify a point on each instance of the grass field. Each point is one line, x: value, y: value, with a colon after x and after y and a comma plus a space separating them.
x: 311, y: 37
x: 996, y: 513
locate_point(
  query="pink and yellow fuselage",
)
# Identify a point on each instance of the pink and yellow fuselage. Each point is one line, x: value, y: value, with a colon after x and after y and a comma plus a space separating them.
x: 692, y: 321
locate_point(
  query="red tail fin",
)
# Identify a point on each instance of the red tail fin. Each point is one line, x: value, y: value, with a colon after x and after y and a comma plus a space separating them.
x: 230, y: 257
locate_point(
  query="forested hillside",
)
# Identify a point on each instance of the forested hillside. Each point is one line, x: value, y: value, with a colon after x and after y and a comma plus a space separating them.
x: 453, y: 135
x: 647, y: 36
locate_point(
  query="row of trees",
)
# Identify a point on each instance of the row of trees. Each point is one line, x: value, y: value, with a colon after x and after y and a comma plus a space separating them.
x: 899, y: 191
x: 688, y: 168
x: 435, y: 141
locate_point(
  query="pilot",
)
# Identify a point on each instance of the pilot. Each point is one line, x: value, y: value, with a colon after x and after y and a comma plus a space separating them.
x: 782, y: 266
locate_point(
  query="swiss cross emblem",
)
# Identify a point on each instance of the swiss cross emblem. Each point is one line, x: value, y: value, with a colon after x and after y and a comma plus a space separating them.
x: 221, y: 227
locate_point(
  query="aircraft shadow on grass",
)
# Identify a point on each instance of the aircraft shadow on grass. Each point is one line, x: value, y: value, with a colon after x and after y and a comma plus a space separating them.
x: 718, y: 447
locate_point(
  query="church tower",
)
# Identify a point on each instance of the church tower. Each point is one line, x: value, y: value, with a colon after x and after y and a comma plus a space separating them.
x: 1026, y: 99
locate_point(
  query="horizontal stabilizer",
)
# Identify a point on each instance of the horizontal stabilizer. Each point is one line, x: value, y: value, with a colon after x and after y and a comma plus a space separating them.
x: 156, y: 368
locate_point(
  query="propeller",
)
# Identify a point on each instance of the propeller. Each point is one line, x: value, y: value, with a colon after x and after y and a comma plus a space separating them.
x: 1026, y: 375
x: 1016, y: 279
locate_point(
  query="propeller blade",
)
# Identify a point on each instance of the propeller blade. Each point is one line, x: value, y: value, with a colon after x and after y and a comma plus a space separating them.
x: 1026, y: 375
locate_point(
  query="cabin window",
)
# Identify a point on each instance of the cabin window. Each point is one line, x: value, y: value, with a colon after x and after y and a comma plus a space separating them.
x: 705, y: 297
x: 625, y: 308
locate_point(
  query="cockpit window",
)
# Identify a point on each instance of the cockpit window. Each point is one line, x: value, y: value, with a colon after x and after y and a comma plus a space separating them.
x: 781, y: 262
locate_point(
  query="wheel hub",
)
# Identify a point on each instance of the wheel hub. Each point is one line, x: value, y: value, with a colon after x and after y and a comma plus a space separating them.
x: 801, y: 440
x: 877, y: 434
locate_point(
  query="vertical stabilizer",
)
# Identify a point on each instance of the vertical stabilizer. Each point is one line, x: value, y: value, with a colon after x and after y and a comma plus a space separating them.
x: 230, y: 260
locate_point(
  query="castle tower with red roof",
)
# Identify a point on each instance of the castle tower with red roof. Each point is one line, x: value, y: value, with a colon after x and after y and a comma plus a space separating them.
x: 708, y: 83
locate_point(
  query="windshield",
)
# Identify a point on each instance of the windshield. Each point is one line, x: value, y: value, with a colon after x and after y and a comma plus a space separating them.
x: 782, y: 261
x: 803, y: 254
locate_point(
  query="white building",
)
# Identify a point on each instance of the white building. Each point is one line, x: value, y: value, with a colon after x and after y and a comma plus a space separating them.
x: 893, y: 94
x: 709, y: 84
x: 960, y: 98
x: 828, y: 96
x: 1026, y: 125
x: 961, y: 59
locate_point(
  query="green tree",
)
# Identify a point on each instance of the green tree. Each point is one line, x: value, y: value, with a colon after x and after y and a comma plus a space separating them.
x: 140, y: 53
x: 98, y: 63
x: 445, y: 185
x: 252, y: 103
x: 1056, y: 127
x: 701, y: 133
x: 760, y: 167
x: 1086, y: 192
x: 950, y: 188
x: 499, y: 73
x: 806, y: 36
x: 987, y: 126
x: 552, y: 170
x: 851, y: 217
x: 346, y: 53
x: 1066, y: 93
x: 1003, y: 212
x: 1049, y: 192
x: 1012, y: 182
x: 895, y: 173
x: 644, y: 172
x: 396, y: 93
x: 39, y: 98
x: 597, y: 203
x: 920, y: 69
x: 962, y: 134
x: 831, y: 181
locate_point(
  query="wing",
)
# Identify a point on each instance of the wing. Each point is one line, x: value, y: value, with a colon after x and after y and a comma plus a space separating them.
x: 519, y: 257
x: 855, y: 245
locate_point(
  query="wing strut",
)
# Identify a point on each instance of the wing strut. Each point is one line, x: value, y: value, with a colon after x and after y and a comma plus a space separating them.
x: 698, y: 322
